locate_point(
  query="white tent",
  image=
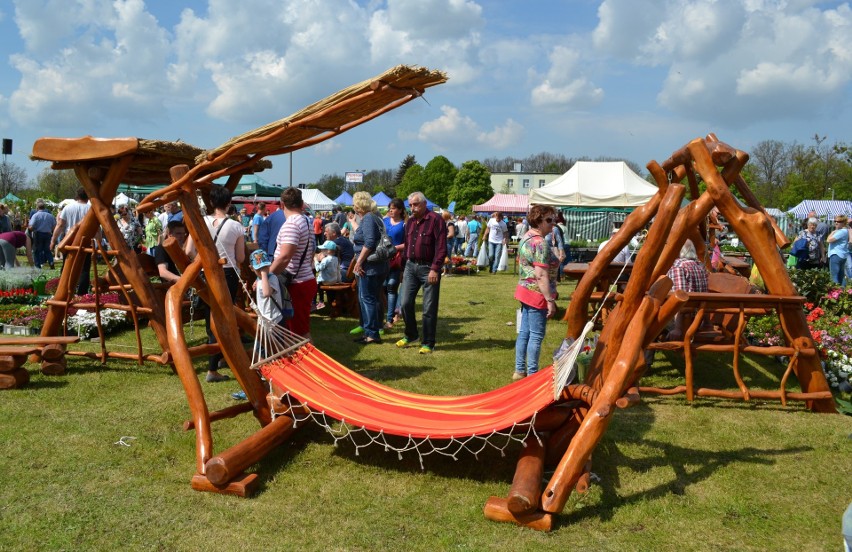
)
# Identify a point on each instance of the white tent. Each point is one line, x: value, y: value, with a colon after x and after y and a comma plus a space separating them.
x: 596, y: 184
x: 317, y: 200
x: 122, y: 199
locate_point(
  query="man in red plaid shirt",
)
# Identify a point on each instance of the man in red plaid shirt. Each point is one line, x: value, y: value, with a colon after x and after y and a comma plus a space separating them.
x: 687, y: 273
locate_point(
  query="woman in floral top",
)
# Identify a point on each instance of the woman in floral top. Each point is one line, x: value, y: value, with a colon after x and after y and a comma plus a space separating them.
x: 536, y: 289
x: 130, y: 228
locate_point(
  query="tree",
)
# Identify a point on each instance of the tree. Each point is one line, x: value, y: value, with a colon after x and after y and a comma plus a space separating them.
x: 12, y: 178
x: 407, y: 163
x: 331, y: 185
x: 379, y: 180
x: 411, y: 182
x: 471, y: 186
x: 438, y: 177
x: 770, y: 166
x: 57, y: 185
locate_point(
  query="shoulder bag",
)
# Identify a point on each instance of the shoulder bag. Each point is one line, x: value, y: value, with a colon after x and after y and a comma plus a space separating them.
x: 385, y: 248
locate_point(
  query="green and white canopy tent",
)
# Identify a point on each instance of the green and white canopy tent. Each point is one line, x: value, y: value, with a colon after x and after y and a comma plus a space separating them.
x: 593, y: 196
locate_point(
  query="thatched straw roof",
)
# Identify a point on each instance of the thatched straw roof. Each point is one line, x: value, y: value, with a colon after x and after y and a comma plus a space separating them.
x: 332, y: 115
x: 152, y: 159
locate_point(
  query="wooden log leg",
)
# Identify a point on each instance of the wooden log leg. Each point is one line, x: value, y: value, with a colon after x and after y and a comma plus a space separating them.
x: 525, y: 493
x: 53, y: 351
x: 53, y: 367
x: 11, y: 362
x: 223, y: 468
x: 14, y: 379
x: 585, y: 480
x: 496, y: 509
x: 559, y: 439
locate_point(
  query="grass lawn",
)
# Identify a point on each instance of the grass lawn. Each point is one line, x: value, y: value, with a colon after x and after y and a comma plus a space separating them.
x: 712, y: 475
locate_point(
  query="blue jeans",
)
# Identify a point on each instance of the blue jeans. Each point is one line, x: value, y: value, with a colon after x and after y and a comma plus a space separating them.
x: 837, y: 267
x: 494, y: 250
x: 472, y: 245
x: 369, y: 290
x: 414, y: 277
x: 392, y: 286
x: 41, y: 249
x: 530, y: 336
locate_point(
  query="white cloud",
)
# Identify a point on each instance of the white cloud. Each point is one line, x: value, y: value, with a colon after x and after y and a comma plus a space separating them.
x: 453, y: 131
x: 327, y: 148
x: 562, y: 86
x: 735, y: 61
x: 114, y: 69
x: 437, y: 33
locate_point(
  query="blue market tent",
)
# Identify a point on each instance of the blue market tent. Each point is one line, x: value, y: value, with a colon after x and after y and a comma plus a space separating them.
x: 344, y: 199
x: 12, y: 198
x: 381, y: 199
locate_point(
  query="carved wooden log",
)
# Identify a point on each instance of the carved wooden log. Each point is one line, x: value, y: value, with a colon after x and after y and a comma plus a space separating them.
x: 640, y: 281
x: 53, y: 367
x: 585, y: 480
x: 53, y: 351
x: 83, y: 234
x: 631, y: 398
x: 11, y: 362
x: 223, y: 467
x: 558, y: 441
x: 580, y: 449
x: 496, y: 509
x: 525, y: 493
x: 552, y: 417
x: 758, y: 236
x: 14, y: 379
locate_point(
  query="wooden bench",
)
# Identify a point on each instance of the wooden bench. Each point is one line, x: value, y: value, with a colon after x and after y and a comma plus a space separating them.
x: 14, y: 351
x: 343, y: 297
x: 734, y: 310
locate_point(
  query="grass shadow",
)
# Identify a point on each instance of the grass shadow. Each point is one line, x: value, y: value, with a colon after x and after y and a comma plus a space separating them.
x: 609, y: 458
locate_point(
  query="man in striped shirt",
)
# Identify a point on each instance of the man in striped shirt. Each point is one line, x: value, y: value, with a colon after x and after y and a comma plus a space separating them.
x: 424, y: 253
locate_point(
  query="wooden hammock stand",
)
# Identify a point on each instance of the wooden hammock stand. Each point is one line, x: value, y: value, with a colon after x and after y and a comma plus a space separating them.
x: 571, y: 427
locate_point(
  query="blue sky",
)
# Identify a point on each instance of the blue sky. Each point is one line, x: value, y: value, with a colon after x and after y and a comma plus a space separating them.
x: 634, y: 79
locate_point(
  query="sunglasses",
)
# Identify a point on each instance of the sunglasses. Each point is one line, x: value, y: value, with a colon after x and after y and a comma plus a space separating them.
x: 548, y: 220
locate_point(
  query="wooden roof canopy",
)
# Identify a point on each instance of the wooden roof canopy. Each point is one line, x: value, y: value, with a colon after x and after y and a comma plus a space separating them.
x: 312, y: 125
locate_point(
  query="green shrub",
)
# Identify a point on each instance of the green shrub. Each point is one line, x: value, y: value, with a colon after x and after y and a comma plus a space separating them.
x: 812, y: 284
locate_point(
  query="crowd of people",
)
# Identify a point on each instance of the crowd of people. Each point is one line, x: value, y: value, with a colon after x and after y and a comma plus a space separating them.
x: 313, y: 251
x: 817, y: 247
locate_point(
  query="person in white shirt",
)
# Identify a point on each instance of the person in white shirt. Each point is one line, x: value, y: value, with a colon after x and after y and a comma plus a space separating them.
x: 497, y: 239
x: 623, y: 256
x: 71, y: 216
x: 462, y: 236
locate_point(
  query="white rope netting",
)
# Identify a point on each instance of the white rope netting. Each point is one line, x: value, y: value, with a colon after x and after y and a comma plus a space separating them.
x: 361, y: 437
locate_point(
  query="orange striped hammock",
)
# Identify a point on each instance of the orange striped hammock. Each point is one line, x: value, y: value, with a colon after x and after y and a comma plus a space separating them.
x: 324, y: 385
x: 370, y: 411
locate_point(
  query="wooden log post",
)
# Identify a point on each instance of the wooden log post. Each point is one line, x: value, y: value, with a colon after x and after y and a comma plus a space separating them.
x: 496, y: 509
x: 640, y: 281
x: 231, y: 462
x: 570, y: 468
x: 525, y: 492
x: 222, y: 318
